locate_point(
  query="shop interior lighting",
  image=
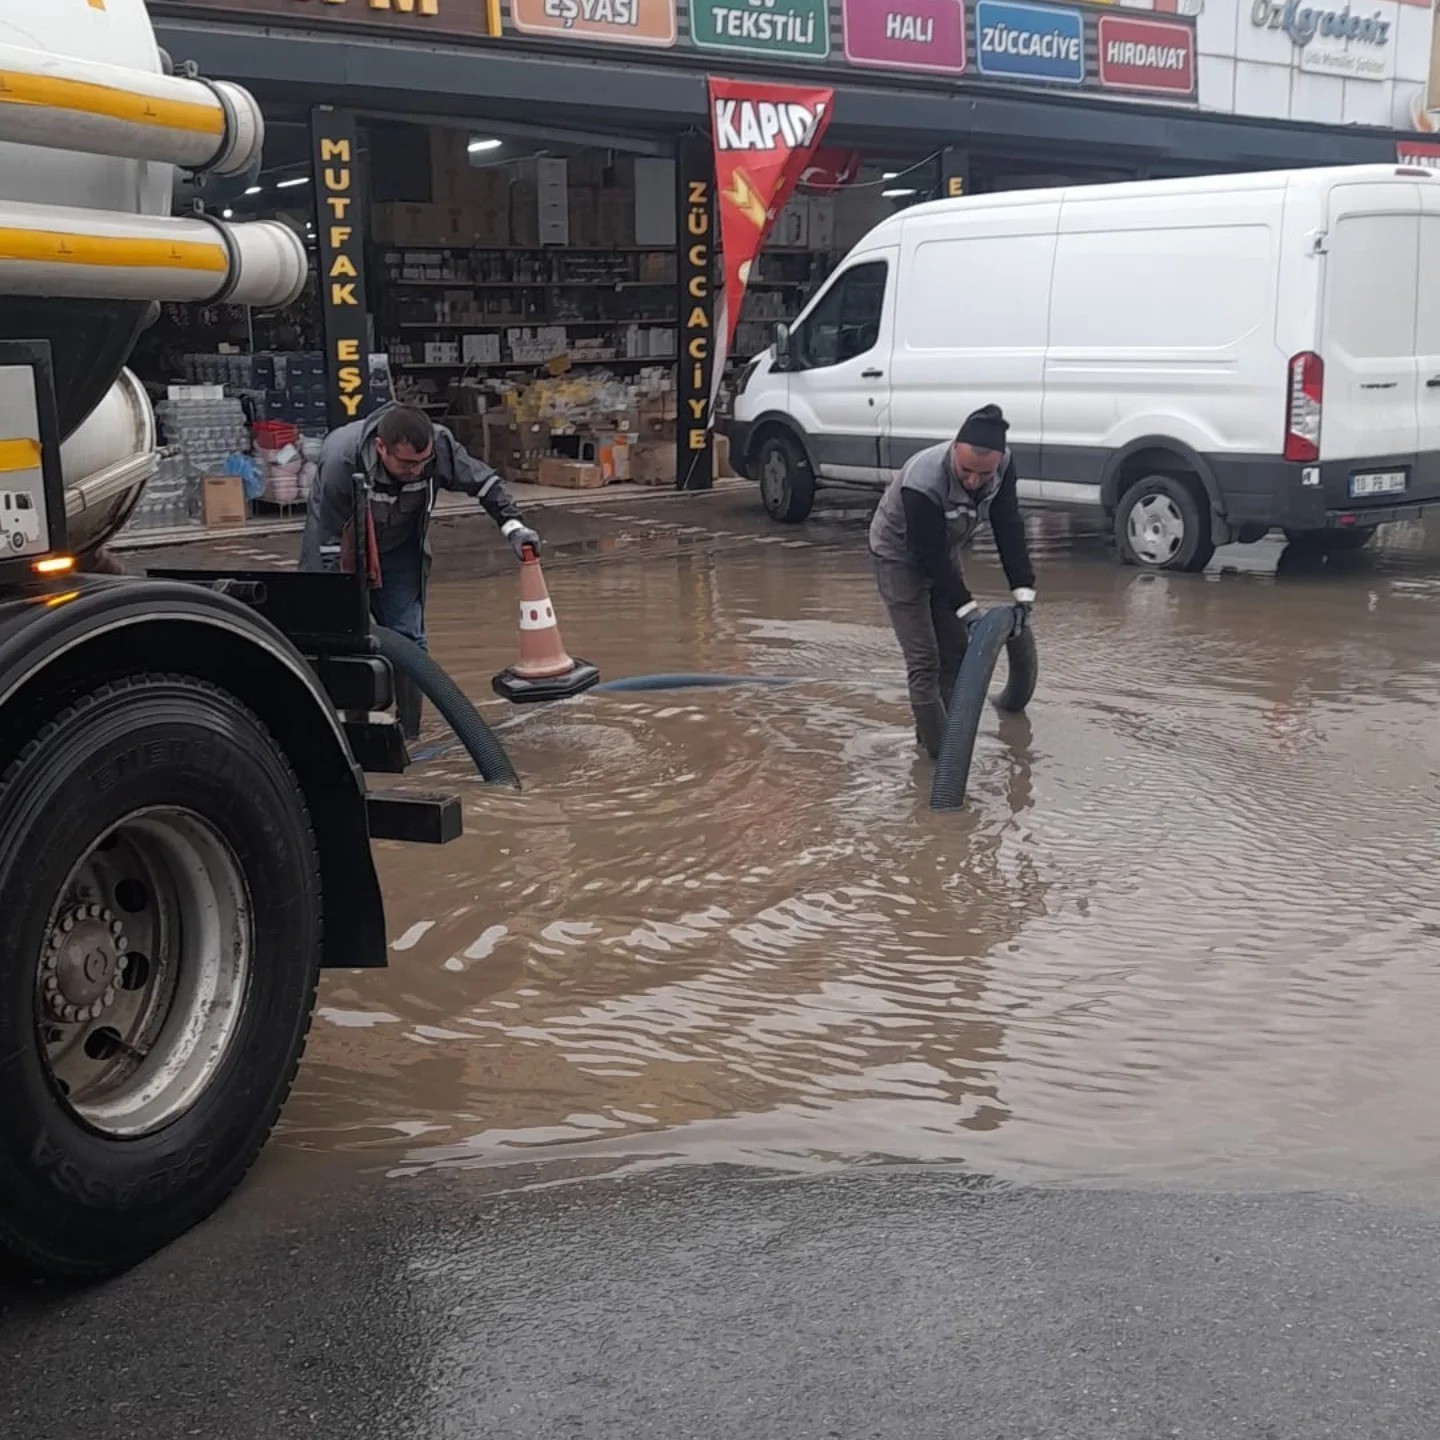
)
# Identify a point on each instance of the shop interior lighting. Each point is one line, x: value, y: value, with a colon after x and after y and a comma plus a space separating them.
x: 255, y: 190
x: 287, y: 184
x: 478, y: 146
x: 227, y: 214
x: 895, y: 194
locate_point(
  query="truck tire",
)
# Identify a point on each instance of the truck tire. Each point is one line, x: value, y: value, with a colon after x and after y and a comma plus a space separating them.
x: 160, y: 925
x: 787, y: 484
x: 1161, y: 524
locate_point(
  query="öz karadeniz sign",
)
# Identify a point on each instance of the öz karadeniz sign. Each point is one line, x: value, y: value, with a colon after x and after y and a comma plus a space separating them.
x: 1351, y: 43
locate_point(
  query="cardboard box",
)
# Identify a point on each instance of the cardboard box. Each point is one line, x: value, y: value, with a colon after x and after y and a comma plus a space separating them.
x: 571, y: 474
x: 722, y: 468
x: 584, y: 224
x: 652, y: 463
x: 524, y: 214
x: 615, y: 218
x: 222, y: 499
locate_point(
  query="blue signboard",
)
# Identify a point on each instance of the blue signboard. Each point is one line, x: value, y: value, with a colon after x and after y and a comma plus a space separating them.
x: 1030, y: 42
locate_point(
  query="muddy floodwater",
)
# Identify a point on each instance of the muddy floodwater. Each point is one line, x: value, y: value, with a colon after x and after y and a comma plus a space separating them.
x: 1188, y: 929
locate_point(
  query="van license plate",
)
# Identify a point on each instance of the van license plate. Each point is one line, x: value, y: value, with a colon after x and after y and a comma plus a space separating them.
x: 1383, y: 482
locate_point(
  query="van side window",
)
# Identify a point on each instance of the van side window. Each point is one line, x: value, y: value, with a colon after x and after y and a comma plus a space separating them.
x: 846, y: 322
x: 22, y: 502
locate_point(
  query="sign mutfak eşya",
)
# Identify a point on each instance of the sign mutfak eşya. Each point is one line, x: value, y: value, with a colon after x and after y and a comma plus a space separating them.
x: 780, y: 29
x: 764, y: 137
x: 338, y: 212
x: 432, y: 17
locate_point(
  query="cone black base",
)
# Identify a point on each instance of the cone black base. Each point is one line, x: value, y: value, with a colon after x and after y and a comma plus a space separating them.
x: 520, y: 691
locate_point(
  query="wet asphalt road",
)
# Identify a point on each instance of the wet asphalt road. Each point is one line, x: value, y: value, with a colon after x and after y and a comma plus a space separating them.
x: 331, y: 1299
x: 716, y: 1304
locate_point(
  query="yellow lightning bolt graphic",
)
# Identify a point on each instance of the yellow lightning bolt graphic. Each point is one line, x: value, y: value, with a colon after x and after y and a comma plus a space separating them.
x: 742, y: 196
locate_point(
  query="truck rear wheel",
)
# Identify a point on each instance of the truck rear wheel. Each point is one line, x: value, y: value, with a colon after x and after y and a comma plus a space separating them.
x: 1162, y: 524
x: 160, y: 919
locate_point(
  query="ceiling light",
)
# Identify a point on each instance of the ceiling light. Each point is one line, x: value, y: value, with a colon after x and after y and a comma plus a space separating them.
x: 891, y: 175
x: 254, y: 189
x: 477, y: 147
x: 287, y: 184
x: 227, y: 214
x: 895, y: 194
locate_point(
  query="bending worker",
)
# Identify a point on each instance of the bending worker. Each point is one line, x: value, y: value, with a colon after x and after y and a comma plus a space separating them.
x: 407, y: 460
x: 930, y: 511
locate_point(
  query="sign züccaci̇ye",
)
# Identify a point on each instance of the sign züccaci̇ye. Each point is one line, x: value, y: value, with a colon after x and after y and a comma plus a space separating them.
x: 631, y: 22
x: 1354, y: 45
x: 764, y: 137
x: 906, y: 34
x: 1151, y: 55
x: 1030, y: 42
x: 780, y: 29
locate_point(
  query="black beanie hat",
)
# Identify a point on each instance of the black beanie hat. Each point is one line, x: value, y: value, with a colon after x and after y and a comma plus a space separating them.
x: 985, y: 429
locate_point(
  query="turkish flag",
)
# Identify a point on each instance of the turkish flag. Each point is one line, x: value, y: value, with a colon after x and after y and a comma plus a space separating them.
x: 764, y: 137
x: 831, y: 170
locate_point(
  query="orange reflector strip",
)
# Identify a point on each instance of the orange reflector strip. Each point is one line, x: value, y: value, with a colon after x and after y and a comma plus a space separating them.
x: 56, y: 247
x: 19, y: 455
x: 54, y: 565
x: 85, y: 97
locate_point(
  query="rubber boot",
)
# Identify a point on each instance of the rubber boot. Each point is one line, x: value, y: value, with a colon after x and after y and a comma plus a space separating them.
x: 408, y: 704
x: 929, y: 727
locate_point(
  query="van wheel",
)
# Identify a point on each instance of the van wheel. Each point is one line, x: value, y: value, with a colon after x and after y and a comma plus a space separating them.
x: 787, y: 484
x: 160, y: 913
x: 1162, y: 525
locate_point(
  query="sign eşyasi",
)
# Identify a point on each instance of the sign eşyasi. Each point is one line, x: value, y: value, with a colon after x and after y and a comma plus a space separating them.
x: 1354, y: 44
x: 781, y: 29
x: 629, y: 22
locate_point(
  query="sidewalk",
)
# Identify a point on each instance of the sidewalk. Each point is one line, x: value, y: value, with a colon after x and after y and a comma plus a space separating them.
x: 529, y: 497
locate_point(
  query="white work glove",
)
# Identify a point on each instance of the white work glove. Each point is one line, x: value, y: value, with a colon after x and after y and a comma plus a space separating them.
x: 967, y: 615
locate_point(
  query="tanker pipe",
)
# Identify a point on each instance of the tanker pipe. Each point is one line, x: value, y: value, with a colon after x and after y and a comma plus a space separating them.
x: 61, y: 103
x: 51, y: 251
x: 106, y: 463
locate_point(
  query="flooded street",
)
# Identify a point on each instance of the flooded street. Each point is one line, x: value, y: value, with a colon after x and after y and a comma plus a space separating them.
x: 715, y: 1076
x: 1185, y: 931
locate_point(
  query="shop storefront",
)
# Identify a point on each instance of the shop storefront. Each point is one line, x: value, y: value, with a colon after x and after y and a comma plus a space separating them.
x: 522, y: 209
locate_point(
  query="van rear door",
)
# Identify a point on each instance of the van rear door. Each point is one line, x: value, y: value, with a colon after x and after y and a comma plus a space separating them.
x: 1427, y: 343
x: 1370, y: 421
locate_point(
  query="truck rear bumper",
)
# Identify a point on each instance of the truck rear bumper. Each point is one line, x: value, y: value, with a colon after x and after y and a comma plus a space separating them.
x: 1262, y: 490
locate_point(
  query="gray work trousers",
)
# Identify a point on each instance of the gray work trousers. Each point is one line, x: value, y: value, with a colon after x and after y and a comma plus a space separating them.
x: 932, y: 640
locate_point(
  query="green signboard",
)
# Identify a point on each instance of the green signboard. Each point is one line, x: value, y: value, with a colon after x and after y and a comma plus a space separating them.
x: 778, y: 28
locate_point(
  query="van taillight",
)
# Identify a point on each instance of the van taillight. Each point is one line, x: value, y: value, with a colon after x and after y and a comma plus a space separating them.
x: 1302, y: 414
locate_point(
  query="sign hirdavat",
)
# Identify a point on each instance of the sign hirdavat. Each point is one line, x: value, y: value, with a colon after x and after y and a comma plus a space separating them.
x: 338, y: 211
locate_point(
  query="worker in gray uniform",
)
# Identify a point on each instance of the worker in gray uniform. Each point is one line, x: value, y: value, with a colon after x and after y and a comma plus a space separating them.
x: 928, y: 514
x: 408, y: 460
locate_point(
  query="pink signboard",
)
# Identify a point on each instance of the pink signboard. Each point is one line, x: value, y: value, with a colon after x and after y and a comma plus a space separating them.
x: 906, y: 34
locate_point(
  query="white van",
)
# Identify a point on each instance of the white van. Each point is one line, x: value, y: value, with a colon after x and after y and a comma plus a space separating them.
x: 1202, y: 359
x: 19, y: 520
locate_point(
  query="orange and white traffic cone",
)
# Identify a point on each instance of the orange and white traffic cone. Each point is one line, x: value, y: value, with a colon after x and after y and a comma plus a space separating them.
x: 544, y: 670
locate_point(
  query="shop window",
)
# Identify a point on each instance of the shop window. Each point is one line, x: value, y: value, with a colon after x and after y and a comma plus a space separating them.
x: 845, y: 323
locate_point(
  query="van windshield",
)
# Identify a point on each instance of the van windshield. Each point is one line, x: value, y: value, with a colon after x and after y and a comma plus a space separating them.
x: 846, y: 322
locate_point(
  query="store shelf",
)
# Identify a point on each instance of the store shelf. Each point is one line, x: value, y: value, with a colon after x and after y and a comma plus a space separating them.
x: 508, y: 322
x: 404, y: 367
x: 466, y: 284
x: 547, y: 249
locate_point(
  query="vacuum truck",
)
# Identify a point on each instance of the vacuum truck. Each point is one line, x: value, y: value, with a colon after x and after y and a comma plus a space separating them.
x: 185, y: 828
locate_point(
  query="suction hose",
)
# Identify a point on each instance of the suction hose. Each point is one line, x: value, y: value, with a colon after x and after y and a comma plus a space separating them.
x: 999, y: 630
x: 474, y: 734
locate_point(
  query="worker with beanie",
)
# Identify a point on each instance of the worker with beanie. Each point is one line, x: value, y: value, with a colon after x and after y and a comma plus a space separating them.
x: 929, y: 512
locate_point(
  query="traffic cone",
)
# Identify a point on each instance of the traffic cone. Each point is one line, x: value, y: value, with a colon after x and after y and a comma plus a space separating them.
x: 544, y: 670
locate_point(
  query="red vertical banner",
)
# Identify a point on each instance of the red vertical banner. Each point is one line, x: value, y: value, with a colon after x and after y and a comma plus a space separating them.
x: 764, y: 137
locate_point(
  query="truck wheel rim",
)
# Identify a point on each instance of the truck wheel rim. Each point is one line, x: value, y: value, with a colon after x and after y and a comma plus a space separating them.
x: 1156, y: 528
x: 775, y: 479
x: 142, y: 979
